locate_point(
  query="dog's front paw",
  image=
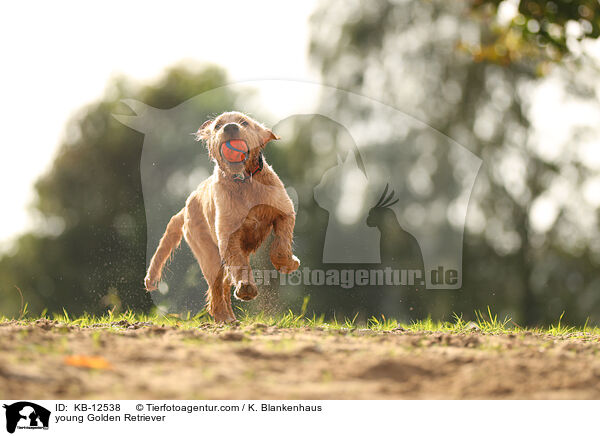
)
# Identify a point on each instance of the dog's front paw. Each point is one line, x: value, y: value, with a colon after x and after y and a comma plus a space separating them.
x: 245, y: 291
x: 150, y: 284
x: 287, y: 266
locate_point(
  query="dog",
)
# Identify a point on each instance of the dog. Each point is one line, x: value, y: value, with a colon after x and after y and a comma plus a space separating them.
x: 231, y: 214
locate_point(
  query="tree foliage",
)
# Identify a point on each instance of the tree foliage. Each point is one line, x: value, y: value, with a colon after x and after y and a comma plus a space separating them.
x: 549, y: 30
x: 427, y: 59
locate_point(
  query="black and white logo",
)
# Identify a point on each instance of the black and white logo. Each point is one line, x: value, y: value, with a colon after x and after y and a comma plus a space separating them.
x: 26, y: 415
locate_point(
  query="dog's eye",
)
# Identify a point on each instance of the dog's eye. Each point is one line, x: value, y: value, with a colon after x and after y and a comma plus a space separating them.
x: 218, y: 126
x: 244, y: 123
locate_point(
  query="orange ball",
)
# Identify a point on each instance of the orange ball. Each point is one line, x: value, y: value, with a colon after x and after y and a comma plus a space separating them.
x: 235, y: 151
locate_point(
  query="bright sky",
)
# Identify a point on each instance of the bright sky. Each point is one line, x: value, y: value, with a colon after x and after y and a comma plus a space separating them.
x: 57, y: 56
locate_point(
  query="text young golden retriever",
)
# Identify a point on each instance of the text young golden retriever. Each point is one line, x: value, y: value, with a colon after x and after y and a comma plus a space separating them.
x: 231, y: 213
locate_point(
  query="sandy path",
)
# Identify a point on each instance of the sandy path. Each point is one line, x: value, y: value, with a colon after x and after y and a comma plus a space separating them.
x: 262, y: 362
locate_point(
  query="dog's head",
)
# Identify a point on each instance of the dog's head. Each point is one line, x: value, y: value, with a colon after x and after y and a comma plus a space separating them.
x: 234, y: 142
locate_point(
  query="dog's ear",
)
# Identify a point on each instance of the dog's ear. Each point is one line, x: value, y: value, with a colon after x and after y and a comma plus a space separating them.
x: 204, y: 130
x: 268, y: 135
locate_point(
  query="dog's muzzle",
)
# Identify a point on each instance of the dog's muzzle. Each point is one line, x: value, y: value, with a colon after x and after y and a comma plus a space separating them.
x: 235, y: 151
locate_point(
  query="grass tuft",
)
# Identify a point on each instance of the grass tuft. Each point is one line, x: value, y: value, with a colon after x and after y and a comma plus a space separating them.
x: 483, y: 322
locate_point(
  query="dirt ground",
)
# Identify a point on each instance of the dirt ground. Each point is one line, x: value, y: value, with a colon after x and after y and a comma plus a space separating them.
x: 261, y: 362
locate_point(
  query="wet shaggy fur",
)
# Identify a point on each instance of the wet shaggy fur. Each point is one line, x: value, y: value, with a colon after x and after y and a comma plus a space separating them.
x: 225, y: 220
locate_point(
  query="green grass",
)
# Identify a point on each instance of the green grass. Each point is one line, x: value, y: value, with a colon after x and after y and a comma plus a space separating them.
x: 483, y: 322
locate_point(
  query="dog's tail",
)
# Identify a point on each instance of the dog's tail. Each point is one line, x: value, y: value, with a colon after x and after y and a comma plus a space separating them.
x: 167, y: 244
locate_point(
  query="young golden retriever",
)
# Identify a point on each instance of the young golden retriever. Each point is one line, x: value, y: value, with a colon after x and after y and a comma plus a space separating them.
x: 231, y: 213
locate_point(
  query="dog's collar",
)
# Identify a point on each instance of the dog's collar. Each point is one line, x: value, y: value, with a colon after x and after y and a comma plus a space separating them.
x: 246, y: 176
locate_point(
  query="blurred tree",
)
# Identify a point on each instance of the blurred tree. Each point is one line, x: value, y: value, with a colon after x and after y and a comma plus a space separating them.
x: 464, y: 68
x: 89, y: 251
x: 550, y: 29
x: 425, y: 58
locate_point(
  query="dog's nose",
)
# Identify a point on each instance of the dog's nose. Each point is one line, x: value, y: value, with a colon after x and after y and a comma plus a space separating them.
x: 231, y: 128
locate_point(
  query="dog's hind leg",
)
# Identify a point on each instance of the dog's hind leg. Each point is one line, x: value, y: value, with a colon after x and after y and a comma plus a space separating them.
x: 207, y: 255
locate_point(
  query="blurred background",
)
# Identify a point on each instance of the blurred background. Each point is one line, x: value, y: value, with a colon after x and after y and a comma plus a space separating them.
x: 515, y: 82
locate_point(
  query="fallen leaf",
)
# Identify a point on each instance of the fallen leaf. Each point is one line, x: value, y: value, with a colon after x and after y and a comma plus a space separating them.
x: 92, y: 362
